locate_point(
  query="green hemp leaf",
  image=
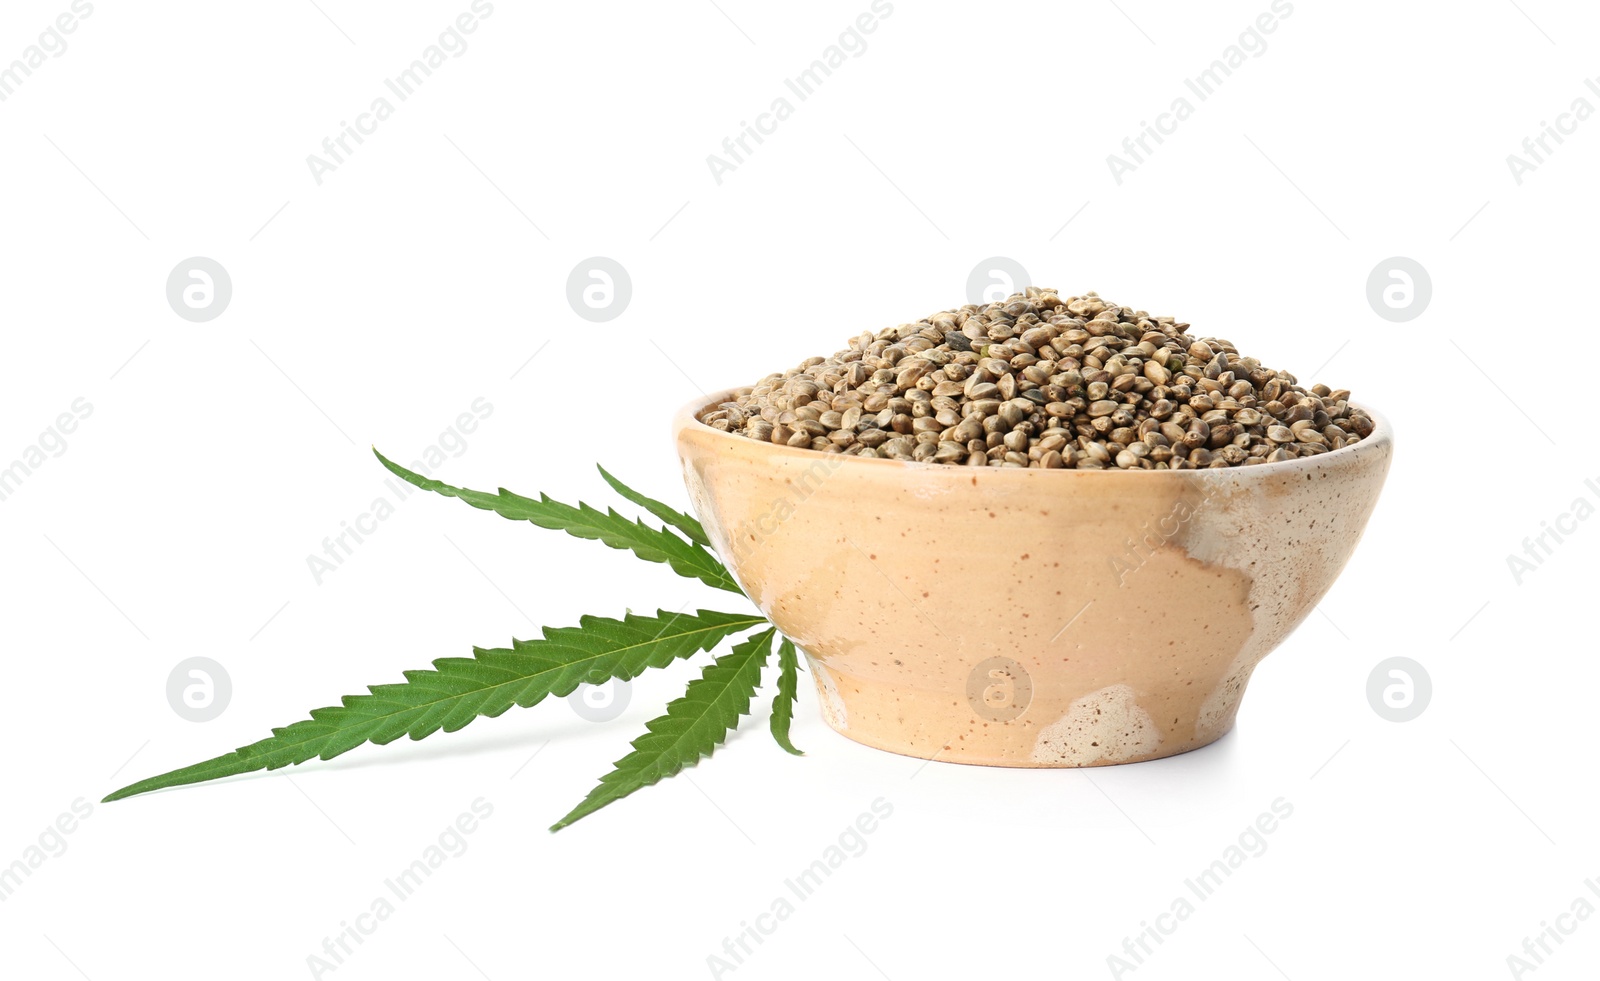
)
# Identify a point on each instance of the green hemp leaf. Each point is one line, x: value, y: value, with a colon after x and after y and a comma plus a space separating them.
x: 457, y: 690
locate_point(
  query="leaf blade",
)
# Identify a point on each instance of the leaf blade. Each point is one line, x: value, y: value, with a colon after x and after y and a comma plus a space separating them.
x: 788, y: 692
x: 490, y: 682
x: 686, y: 558
x: 693, y: 726
x: 684, y: 522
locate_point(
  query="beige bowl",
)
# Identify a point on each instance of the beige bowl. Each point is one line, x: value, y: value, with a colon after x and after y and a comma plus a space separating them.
x: 1017, y: 617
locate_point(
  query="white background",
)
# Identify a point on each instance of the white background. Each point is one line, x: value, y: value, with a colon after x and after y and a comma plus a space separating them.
x: 427, y: 269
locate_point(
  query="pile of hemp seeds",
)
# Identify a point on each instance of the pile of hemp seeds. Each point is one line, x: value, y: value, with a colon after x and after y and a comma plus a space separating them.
x: 1045, y: 382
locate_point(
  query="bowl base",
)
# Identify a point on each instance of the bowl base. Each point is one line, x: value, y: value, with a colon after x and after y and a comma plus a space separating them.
x: 1106, y: 730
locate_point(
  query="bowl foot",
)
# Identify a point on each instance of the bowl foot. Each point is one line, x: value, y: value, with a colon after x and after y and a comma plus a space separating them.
x: 1110, y: 726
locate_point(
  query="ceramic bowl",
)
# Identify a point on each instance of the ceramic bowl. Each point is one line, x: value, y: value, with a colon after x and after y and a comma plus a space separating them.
x: 1019, y: 617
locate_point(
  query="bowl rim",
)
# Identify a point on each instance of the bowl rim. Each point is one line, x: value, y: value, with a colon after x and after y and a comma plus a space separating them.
x: 688, y: 418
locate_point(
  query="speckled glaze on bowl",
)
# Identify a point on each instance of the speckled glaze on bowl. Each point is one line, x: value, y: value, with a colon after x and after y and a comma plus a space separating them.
x: 1017, y: 617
